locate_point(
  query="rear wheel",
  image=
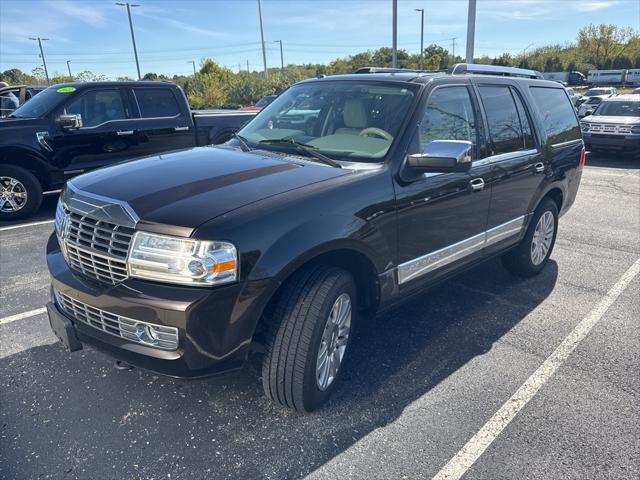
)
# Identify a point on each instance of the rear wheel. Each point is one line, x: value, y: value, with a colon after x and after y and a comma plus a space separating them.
x: 533, y: 252
x: 20, y: 193
x: 309, y: 337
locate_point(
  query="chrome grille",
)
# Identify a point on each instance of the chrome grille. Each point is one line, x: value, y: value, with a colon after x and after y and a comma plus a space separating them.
x: 124, y: 327
x: 97, y: 248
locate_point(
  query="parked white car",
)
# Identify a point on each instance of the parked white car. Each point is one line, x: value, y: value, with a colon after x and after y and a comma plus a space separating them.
x: 594, y: 97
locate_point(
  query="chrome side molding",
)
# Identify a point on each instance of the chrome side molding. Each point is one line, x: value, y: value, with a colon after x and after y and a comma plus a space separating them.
x: 444, y: 256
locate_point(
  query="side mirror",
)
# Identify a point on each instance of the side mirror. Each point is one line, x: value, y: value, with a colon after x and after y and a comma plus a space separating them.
x: 442, y: 156
x: 70, y: 122
x: 588, y: 112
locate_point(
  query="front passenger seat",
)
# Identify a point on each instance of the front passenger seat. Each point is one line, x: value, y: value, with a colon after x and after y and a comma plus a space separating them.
x: 354, y: 116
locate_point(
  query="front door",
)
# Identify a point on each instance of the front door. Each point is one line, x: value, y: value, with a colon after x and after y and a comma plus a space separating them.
x: 442, y: 217
x: 104, y: 137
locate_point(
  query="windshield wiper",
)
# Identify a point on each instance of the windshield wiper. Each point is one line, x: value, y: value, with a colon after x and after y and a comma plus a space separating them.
x: 302, y: 147
x: 244, y: 146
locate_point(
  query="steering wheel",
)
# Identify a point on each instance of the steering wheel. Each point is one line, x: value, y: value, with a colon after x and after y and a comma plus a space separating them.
x: 378, y: 132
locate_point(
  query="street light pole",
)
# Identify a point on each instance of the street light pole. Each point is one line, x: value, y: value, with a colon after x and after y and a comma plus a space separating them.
x: 44, y: 62
x: 193, y: 62
x: 281, y: 55
x: 394, y: 50
x: 264, y: 51
x: 69, y: 69
x: 471, y: 30
x: 133, y: 37
x: 421, y: 10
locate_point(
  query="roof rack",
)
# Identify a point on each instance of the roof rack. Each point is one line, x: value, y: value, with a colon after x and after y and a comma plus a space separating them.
x: 462, y: 68
x: 391, y: 70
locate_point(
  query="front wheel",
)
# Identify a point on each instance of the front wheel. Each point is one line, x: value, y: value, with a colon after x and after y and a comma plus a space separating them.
x: 20, y: 193
x: 310, y: 333
x: 533, y: 252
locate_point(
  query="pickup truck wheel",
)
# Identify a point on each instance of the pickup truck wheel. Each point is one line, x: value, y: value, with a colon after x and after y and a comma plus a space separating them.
x: 533, y: 252
x: 310, y: 334
x: 20, y: 193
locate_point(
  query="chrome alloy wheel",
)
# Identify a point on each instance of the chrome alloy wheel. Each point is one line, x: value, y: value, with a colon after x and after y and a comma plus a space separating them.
x: 13, y: 195
x: 333, y: 342
x: 542, y: 238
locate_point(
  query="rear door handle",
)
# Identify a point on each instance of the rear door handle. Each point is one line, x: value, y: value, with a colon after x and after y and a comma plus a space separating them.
x: 181, y: 129
x: 122, y: 133
x: 539, y: 167
x: 477, y: 184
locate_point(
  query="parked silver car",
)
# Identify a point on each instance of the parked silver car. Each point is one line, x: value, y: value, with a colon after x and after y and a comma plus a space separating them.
x: 594, y: 97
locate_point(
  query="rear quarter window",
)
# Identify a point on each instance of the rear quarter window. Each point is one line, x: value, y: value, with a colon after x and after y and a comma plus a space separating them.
x: 558, y: 117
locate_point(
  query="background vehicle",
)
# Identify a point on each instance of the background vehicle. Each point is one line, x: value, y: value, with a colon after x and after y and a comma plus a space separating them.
x: 570, y: 78
x: 605, y: 77
x: 615, y: 125
x: 573, y: 96
x: 290, y: 238
x: 22, y: 93
x: 73, y: 128
x: 636, y: 91
x: 593, y: 98
x: 260, y: 104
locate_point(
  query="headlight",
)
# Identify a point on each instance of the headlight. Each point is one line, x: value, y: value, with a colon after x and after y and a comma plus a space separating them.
x: 585, y: 126
x: 182, y: 260
x: 60, y: 225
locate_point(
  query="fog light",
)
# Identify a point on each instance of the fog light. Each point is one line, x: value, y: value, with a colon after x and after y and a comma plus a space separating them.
x: 146, y: 334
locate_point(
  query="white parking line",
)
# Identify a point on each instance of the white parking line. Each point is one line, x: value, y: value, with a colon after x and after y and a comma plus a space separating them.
x: 462, y: 461
x: 13, y: 227
x: 20, y: 316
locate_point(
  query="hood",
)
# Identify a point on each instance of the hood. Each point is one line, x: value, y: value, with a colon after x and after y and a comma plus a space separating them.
x: 617, y: 120
x: 187, y: 188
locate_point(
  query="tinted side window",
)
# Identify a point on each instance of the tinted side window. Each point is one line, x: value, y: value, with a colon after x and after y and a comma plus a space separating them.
x: 98, y: 106
x: 505, y: 129
x: 557, y: 114
x: 156, y: 102
x: 449, y: 115
x: 525, y: 123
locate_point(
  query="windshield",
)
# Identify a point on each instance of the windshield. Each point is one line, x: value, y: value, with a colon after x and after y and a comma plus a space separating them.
x: 43, y: 102
x: 597, y: 91
x: 619, y: 109
x: 343, y: 120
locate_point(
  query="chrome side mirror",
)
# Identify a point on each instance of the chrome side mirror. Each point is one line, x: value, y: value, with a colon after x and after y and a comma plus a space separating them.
x: 443, y: 156
x: 70, y: 122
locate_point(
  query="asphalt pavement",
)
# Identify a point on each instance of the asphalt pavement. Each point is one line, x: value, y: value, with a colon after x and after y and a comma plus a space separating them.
x: 421, y: 386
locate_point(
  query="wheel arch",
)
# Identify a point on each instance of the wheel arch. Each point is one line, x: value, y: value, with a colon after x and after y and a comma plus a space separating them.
x: 29, y: 160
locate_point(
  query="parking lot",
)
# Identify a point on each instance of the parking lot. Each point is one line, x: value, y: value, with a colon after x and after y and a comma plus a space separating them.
x: 420, y: 383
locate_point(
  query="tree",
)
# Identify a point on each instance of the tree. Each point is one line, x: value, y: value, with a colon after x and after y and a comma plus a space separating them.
x: 600, y: 44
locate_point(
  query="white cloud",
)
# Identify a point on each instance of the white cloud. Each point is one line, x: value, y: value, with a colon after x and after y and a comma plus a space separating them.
x: 587, y: 6
x: 185, y: 27
x: 85, y: 13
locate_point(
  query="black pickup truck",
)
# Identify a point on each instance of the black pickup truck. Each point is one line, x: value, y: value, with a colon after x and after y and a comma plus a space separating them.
x: 343, y: 197
x: 76, y: 127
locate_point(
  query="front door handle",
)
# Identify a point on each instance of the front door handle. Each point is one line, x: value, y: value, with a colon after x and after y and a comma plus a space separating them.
x: 539, y: 167
x: 477, y: 184
x: 122, y: 133
x: 181, y: 129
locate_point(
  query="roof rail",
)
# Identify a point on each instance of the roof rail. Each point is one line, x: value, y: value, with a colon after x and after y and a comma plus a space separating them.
x: 462, y: 68
x: 391, y: 70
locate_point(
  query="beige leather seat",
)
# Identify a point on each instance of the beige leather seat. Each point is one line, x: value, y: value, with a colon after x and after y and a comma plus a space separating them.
x: 354, y: 116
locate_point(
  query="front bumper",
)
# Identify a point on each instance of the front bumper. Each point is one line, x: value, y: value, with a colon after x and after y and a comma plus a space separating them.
x: 604, y: 140
x: 215, y: 325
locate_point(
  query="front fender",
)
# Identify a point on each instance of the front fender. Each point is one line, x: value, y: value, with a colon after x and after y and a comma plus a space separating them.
x: 317, y: 236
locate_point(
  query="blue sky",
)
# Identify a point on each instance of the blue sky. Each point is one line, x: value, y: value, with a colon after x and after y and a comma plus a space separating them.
x: 94, y: 34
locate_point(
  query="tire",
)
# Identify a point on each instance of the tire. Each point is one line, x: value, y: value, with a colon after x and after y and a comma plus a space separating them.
x: 525, y: 260
x: 27, y: 185
x: 297, y: 333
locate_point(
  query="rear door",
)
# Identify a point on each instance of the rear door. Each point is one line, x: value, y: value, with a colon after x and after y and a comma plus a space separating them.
x: 516, y: 161
x: 164, y: 122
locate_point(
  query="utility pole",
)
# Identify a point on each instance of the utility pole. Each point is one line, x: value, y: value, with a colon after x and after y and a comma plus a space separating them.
x: 471, y: 30
x: 421, y: 10
x: 394, y: 50
x: 193, y: 62
x: 133, y: 37
x: 264, y: 51
x: 453, y: 51
x: 281, y: 56
x: 44, y: 62
x: 69, y: 68
x: 248, y: 71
